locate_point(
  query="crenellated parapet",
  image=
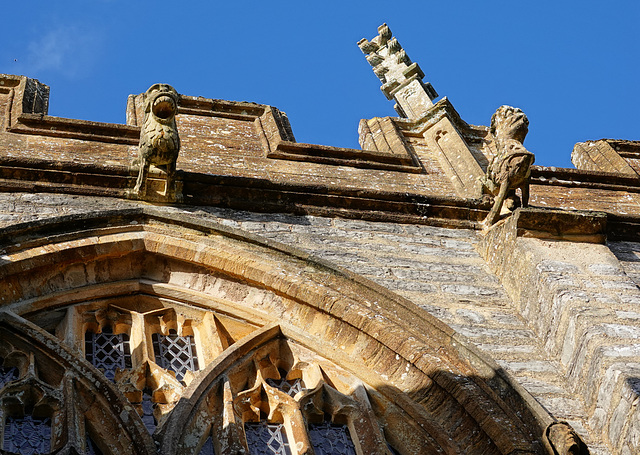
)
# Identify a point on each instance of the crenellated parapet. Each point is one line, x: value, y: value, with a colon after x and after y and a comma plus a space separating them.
x: 401, y: 79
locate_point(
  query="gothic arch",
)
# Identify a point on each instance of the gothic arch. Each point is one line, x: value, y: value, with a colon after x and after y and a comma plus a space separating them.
x: 75, y: 393
x: 250, y: 291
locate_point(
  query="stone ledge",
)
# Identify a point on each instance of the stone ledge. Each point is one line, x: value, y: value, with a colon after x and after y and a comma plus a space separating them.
x: 566, y: 225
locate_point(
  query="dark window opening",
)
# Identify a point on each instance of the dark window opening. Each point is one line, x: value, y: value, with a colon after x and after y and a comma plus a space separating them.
x: 92, y: 448
x: 207, y: 448
x: 147, y: 411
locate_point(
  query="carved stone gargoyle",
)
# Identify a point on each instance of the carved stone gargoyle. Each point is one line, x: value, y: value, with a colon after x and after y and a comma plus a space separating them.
x: 159, y: 140
x: 560, y: 439
x: 510, y: 168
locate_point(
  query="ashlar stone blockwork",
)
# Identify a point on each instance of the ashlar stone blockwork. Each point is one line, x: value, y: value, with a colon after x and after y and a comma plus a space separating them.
x: 281, y: 339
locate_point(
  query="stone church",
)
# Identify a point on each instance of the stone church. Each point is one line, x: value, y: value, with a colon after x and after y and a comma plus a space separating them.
x: 197, y: 282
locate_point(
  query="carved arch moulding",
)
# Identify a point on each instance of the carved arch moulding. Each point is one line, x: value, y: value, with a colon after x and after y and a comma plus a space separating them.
x: 140, y: 332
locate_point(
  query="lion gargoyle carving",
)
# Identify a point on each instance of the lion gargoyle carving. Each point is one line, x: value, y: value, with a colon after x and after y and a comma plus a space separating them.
x: 159, y: 140
x: 510, y: 168
x: 560, y: 439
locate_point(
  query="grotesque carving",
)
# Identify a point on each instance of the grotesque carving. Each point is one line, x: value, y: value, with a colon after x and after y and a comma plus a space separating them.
x: 561, y: 439
x: 510, y: 168
x: 159, y: 141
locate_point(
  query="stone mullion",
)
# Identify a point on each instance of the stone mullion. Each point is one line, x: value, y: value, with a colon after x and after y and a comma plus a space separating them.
x: 294, y: 422
x: 364, y: 424
x: 72, y: 418
x: 231, y: 435
x: 138, y: 341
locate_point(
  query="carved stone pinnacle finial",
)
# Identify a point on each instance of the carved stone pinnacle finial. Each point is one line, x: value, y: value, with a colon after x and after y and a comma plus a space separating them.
x: 510, y: 168
x: 401, y: 79
x: 159, y: 140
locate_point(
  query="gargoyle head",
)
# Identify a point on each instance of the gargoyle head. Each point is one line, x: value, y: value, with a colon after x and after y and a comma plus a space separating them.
x: 509, y: 123
x: 161, y: 101
x: 561, y: 439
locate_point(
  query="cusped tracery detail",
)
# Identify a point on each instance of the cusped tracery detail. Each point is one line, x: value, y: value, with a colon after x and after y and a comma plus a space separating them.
x: 276, y: 396
x: 278, y: 338
x: 57, y: 405
x: 30, y: 408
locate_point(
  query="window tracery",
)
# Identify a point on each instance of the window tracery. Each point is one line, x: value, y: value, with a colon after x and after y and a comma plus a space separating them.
x: 283, y: 399
x: 29, y: 406
x: 148, y: 351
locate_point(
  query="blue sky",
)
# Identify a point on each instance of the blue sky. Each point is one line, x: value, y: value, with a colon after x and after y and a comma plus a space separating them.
x: 572, y: 66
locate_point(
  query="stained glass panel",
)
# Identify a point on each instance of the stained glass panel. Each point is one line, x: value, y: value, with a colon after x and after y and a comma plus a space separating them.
x: 266, y: 439
x: 27, y: 435
x: 7, y: 374
x: 107, y: 351
x: 175, y: 353
x: 290, y: 387
x: 207, y: 448
x: 147, y: 411
x: 331, y: 439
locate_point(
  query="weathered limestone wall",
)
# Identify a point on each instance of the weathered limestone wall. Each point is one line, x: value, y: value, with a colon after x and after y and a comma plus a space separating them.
x: 583, y: 307
x: 561, y: 317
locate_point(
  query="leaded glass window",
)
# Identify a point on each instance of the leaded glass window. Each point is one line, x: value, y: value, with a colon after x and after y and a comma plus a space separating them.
x: 7, y: 374
x: 175, y: 353
x: 207, y: 448
x: 331, y: 439
x: 27, y: 435
x: 288, y: 386
x: 147, y: 411
x: 108, y: 351
x: 266, y: 439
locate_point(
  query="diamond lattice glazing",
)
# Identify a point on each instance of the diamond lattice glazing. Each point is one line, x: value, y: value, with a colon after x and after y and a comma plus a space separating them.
x: 27, y: 435
x: 175, y: 353
x: 266, y: 439
x: 108, y: 351
x: 331, y: 439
